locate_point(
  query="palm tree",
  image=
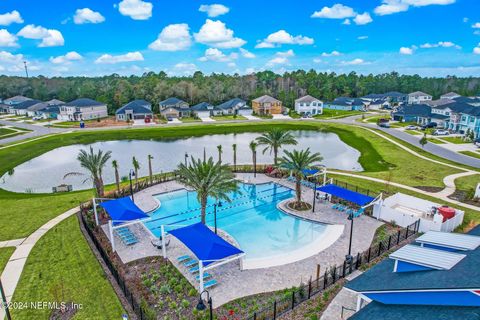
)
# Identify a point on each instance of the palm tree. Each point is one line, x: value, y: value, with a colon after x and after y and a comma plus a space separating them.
x: 136, y: 167
x: 150, y: 172
x: 253, y: 146
x: 296, y: 161
x: 219, y: 148
x: 234, y: 147
x: 274, y: 139
x: 94, y: 163
x: 117, y: 175
x: 208, y: 179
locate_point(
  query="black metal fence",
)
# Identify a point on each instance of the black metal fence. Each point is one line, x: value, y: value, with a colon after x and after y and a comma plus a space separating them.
x: 141, y: 312
x: 333, y: 275
x: 353, y: 187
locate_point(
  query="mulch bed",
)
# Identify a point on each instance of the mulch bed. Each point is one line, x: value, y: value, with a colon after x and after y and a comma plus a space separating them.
x: 302, y: 206
x: 429, y: 189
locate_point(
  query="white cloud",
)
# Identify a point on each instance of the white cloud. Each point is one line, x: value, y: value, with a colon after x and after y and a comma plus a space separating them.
x: 87, y: 15
x: 8, y: 18
x: 317, y: 60
x: 362, y: 37
x: 49, y: 37
x: 337, y: 11
x: 476, y: 32
x: 353, y: 62
x: 185, y: 67
x: 246, y: 54
x: 214, y: 54
x: 476, y: 25
x: 288, y: 53
x: 334, y: 53
x: 216, y: 34
x: 442, y: 44
x: 406, y: 51
x: 347, y: 22
x: 128, y: 57
x: 214, y: 10
x: 173, y: 37
x: 7, y: 39
x: 7, y: 57
x: 67, y: 58
x: 363, y: 18
x: 476, y: 50
x: 136, y: 9
x: 281, y: 58
x: 394, y: 6
x: 283, y: 37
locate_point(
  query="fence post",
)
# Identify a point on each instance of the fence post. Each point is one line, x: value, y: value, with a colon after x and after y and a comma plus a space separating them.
x: 389, y: 242
x: 398, y: 237
x: 275, y: 310
x: 293, y: 299
x: 406, y: 236
x: 318, y: 271
x: 309, y: 287
x: 359, y: 262
x: 344, y: 268
x: 254, y: 316
x: 369, y: 252
x: 380, y: 244
x: 325, y: 279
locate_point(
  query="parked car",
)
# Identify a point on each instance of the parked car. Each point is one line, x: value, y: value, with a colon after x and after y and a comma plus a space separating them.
x: 169, y: 119
x: 36, y: 118
x: 384, y: 123
x: 441, y: 132
x: 411, y: 127
x: 429, y: 125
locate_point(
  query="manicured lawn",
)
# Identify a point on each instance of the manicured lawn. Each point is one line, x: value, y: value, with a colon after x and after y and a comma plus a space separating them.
x: 5, y: 254
x: 470, y: 154
x: 336, y: 114
x: 6, y: 131
x: 375, y: 118
x: 190, y: 119
x: 61, y: 267
x: 436, y: 141
x: 456, y: 140
x: 404, y: 124
x: 228, y: 118
x: 467, y: 183
x: 414, y: 132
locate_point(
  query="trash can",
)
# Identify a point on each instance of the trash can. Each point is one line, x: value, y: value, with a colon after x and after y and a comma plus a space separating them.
x: 82, y: 124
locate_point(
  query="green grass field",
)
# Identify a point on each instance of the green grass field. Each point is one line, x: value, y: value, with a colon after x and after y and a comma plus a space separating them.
x: 228, y: 118
x: 436, y: 141
x: 470, y: 154
x: 467, y: 183
x: 336, y: 114
x: 456, y: 140
x: 61, y: 267
x: 5, y: 254
x: 414, y: 132
x: 190, y: 119
x: 6, y: 131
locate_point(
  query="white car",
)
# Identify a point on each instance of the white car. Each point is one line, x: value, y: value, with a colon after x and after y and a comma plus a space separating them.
x: 440, y: 132
x: 411, y: 127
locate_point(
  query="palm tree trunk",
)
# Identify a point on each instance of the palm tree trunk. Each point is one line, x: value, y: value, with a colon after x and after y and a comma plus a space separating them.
x: 255, y: 164
x: 99, y: 186
x: 275, y: 155
x: 298, y: 190
x: 203, y: 203
x: 117, y: 179
x: 136, y: 179
x: 234, y: 159
x: 150, y: 172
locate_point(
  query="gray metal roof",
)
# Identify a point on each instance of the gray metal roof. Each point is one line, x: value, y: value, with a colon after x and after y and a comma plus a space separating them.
x: 431, y: 258
x: 450, y: 240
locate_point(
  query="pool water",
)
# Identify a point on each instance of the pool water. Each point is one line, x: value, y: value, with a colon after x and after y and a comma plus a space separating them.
x: 251, y: 218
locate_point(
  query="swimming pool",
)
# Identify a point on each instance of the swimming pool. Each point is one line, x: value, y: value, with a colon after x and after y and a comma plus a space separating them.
x: 267, y: 235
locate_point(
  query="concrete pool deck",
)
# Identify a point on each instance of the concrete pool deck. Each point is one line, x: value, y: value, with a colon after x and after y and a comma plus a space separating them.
x: 235, y: 283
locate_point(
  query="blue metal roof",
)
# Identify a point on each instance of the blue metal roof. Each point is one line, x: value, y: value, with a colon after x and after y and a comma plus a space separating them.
x: 170, y: 101
x: 204, y: 243
x: 123, y: 210
x: 84, y: 102
x: 231, y: 103
x: 137, y: 106
x: 349, y: 195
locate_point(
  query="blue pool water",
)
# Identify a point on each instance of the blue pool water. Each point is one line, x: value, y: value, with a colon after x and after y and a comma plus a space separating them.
x: 252, y: 218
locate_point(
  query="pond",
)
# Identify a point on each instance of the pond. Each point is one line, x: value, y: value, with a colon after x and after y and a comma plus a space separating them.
x: 42, y: 173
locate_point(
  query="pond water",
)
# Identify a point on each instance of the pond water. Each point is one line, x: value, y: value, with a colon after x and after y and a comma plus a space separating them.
x: 42, y: 173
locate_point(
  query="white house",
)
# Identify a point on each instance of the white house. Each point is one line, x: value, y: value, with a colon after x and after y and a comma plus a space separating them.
x: 450, y: 95
x: 418, y: 97
x: 405, y: 210
x: 308, y: 105
x: 83, y: 109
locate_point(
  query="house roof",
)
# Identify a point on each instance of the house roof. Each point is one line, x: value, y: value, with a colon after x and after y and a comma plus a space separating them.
x: 418, y: 110
x: 467, y: 100
x: 418, y: 94
x: 52, y: 109
x: 464, y: 275
x: 171, y: 101
x: 346, y: 101
x: 16, y: 98
x: 266, y: 98
x: 307, y: 99
x: 84, y: 102
x: 458, y: 106
x: 202, y: 106
x: 137, y: 106
x: 55, y: 102
x: 231, y: 103
x: 377, y: 310
x: 395, y: 94
x: 27, y: 104
x: 439, y: 102
x: 471, y: 111
x: 450, y: 94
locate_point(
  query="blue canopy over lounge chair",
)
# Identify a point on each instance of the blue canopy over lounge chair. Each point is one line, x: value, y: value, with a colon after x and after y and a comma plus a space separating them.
x: 204, y: 243
x: 123, y: 210
x: 345, y: 194
x: 309, y: 172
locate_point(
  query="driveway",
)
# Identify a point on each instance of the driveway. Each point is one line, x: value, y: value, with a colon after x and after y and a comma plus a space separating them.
x: 207, y: 119
x: 281, y: 117
x: 36, y: 131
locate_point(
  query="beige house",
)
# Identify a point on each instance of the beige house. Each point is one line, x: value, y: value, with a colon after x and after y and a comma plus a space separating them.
x: 265, y: 105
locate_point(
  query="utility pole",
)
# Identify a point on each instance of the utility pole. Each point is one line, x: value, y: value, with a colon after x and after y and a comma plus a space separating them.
x: 26, y: 69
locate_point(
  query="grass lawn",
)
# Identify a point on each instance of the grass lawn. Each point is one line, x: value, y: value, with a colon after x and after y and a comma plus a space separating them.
x: 456, y: 140
x: 467, y: 183
x: 228, y: 118
x: 436, y: 141
x: 6, y: 131
x: 190, y: 119
x: 375, y: 118
x: 61, y: 267
x: 414, y: 132
x: 336, y: 114
x: 470, y: 154
x: 404, y: 124
x: 5, y: 254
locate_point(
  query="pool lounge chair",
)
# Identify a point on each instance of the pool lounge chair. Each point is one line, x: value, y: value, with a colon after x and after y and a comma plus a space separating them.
x: 210, y: 284
x: 129, y: 241
x: 184, y: 258
x: 194, y: 269
x: 190, y: 263
x: 206, y: 275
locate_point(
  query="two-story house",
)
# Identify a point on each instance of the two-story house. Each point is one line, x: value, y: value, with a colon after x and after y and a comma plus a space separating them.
x: 266, y: 105
x: 29, y: 107
x: 174, y: 108
x: 419, y: 113
x: 418, y: 97
x: 308, y: 105
x: 470, y: 120
x: 83, y: 109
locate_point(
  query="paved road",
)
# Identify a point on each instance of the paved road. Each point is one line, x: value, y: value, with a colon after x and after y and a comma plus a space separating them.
x: 414, y: 140
x: 36, y: 131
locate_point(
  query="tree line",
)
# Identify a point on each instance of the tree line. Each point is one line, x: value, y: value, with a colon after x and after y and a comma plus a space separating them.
x: 116, y: 90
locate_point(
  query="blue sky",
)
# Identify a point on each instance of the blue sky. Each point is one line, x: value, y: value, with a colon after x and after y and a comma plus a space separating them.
x: 86, y: 37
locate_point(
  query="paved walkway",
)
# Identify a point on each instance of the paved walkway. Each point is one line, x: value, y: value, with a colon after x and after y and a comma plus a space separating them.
x: 36, y: 131
x: 449, y: 182
x: 13, y: 270
x: 344, y: 298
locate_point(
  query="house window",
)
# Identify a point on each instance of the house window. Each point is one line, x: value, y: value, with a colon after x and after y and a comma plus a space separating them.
x: 472, y: 119
x: 464, y: 118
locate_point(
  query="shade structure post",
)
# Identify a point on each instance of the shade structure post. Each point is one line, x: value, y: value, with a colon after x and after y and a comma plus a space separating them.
x: 324, y: 177
x: 112, y: 239
x: 164, y: 247
x: 200, y: 274
x: 95, y: 211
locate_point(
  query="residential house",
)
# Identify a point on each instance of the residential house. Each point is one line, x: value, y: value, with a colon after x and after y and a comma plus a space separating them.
x: 4, y: 108
x: 437, y: 277
x: 266, y: 105
x: 205, y: 110
x: 50, y: 112
x: 15, y: 100
x: 55, y: 102
x: 393, y: 97
x: 235, y: 106
x: 412, y: 113
x: 439, y: 102
x: 470, y: 120
x: 174, y: 108
x: 29, y: 108
x: 450, y: 95
x: 347, y: 104
x: 454, y: 111
x: 308, y: 105
x: 378, y: 104
x: 135, y: 110
x: 83, y: 109
x: 418, y: 97
x: 471, y: 101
